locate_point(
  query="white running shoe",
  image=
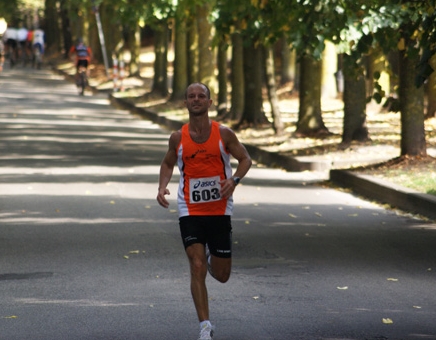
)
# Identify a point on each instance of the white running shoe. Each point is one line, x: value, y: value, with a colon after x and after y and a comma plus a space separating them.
x: 206, y: 333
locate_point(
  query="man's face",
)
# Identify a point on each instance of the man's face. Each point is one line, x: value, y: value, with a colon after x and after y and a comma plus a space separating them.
x: 197, y: 101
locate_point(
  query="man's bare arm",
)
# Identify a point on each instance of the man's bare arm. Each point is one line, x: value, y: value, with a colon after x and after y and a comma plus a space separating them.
x: 167, y: 168
x: 238, y: 151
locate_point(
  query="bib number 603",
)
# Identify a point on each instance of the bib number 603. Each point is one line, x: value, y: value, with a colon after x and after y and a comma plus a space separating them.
x: 205, y: 195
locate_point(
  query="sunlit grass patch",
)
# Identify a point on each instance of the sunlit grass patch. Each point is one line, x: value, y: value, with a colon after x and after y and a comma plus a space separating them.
x: 419, y: 181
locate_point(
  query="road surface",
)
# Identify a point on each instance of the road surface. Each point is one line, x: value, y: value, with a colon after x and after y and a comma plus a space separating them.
x: 87, y: 253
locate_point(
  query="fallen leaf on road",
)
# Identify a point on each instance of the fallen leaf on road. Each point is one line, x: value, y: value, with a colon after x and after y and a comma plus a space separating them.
x: 353, y: 215
x: 10, y: 317
x: 417, y: 307
x: 147, y: 207
x: 247, y: 222
x: 134, y: 252
x: 255, y: 297
x: 387, y: 321
x: 112, y: 202
x: 342, y: 288
x: 292, y: 215
x: 173, y: 211
x: 392, y: 279
x: 318, y: 214
x: 126, y: 257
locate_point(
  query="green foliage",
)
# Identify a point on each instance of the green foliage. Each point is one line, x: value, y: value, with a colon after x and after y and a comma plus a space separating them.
x: 13, y: 11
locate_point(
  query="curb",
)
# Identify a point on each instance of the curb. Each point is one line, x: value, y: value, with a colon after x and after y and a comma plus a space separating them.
x: 385, y: 192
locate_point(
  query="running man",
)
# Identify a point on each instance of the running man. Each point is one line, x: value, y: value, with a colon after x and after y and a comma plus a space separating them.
x: 202, y: 150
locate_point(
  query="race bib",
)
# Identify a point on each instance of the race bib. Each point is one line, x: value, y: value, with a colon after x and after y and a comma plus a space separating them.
x: 203, y: 190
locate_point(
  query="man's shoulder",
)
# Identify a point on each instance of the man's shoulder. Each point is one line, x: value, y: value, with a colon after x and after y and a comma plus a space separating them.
x: 176, y: 136
x: 225, y: 129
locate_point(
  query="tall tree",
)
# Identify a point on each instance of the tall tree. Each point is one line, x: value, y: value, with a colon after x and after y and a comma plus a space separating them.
x: 278, y: 125
x: 354, y: 127
x: 237, y: 76
x: 411, y: 100
x: 431, y: 90
x: 415, y: 37
x: 53, y: 33
x: 206, y: 60
x: 310, y: 122
x: 253, y: 114
x: 180, y: 79
x: 312, y: 24
x: 160, y: 78
x: 222, y: 76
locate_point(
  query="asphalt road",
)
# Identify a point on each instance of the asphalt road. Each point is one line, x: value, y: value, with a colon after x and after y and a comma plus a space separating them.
x: 87, y: 253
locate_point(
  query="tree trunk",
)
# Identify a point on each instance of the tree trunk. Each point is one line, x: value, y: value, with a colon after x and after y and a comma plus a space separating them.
x: 411, y: 106
x: 287, y: 66
x: 354, y: 104
x: 90, y: 27
x: 222, y: 78
x: 51, y: 25
x: 66, y: 24
x: 134, y: 41
x: 160, y: 78
x: 253, y: 113
x: 206, y: 58
x: 112, y: 29
x: 310, y: 121
x: 180, y: 80
x: 431, y: 90
x: 272, y: 91
x: 192, y: 46
x: 237, y: 77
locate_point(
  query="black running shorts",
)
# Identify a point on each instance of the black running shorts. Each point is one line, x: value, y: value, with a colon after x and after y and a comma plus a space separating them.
x: 82, y: 62
x: 216, y: 231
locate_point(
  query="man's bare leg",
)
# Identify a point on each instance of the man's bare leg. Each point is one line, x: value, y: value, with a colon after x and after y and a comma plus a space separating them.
x: 198, y: 266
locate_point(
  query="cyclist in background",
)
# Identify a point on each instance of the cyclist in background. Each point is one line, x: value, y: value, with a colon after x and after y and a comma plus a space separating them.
x: 38, y: 44
x: 22, y: 44
x: 2, y: 53
x: 83, y: 55
x: 10, y: 38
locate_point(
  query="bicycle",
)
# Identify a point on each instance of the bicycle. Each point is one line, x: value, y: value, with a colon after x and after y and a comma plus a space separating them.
x: 82, y: 80
x: 37, y: 57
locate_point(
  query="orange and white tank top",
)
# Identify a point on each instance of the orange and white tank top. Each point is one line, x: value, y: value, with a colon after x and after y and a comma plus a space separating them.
x: 202, y: 167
